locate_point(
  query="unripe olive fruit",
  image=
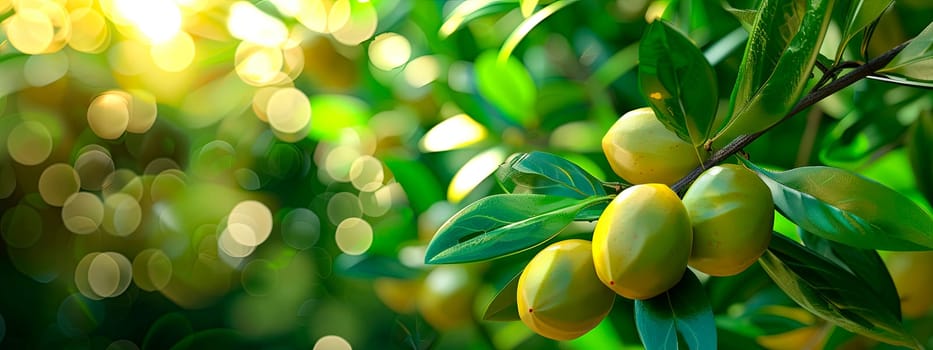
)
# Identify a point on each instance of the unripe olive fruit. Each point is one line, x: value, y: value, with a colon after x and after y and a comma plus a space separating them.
x: 446, y: 297
x: 642, y: 241
x: 732, y: 215
x: 911, y: 273
x: 559, y: 295
x: 397, y: 294
x: 641, y: 150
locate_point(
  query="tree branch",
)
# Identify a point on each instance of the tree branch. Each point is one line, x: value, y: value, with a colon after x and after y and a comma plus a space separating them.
x: 810, y: 99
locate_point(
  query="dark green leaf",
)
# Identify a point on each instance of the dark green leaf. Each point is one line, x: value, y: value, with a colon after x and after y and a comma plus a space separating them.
x: 859, y: 15
x: 681, y: 88
x: 372, y: 266
x: 545, y: 173
x: 844, y: 207
x: 915, y: 62
x: 504, y: 307
x: 420, y: 184
x: 528, y: 24
x: 865, y: 264
x: 779, y: 57
x: 919, y: 144
x: 683, y: 309
x: 503, y: 224
x: 831, y: 292
x: 507, y: 85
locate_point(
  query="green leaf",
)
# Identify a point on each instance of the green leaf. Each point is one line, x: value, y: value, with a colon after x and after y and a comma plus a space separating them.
x: 860, y: 14
x: 680, y: 88
x: 503, y: 224
x: 915, y: 62
x: 780, y: 54
x: 528, y: 7
x: 831, y: 292
x: 504, y: 307
x: 919, y: 144
x: 844, y: 207
x: 546, y: 173
x: 528, y: 24
x: 507, y: 85
x: 865, y: 264
x: 372, y: 266
x: 683, y: 309
x: 470, y: 10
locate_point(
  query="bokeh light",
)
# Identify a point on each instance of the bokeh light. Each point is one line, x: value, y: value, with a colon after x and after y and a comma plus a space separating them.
x: 108, y: 115
x: 21, y: 226
x: 455, y: 132
x: 29, y: 143
x: 354, y: 236
x: 82, y: 213
x: 301, y: 228
x: 58, y: 182
x: 93, y: 165
x: 332, y: 342
x: 250, y: 24
x: 389, y: 51
x: 152, y: 270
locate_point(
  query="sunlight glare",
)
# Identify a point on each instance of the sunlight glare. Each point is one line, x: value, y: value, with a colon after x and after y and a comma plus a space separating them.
x: 158, y: 20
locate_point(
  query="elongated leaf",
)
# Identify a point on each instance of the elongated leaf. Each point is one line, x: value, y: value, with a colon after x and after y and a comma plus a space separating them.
x: 915, y: 62
x: 470, y: 10
x: 507, y: 85
x: 372, y: 266
x: 527, y: 25
x: 528, y: 7
x: 504, y: 307
x: 859, y: 15
x: 919, y: 144
x: 683, y: 309
x: 501, y: 225
x: 546, y: 173
x: 865, y: 264
x: 779, y: 57
x: 831, y: 292
x: 844, y: 207
x: 681, y: 88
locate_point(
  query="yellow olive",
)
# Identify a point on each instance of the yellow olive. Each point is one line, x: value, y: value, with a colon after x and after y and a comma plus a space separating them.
x: 641, y: 150
x: 732, y: 215
x: 446, y: 298
x: 397, y: 294
x: 911, y: 273
x: 559, y: 295
x: 642, y: 241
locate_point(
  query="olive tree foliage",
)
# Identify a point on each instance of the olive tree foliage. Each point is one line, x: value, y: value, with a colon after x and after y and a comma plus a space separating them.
x: 807, y: 105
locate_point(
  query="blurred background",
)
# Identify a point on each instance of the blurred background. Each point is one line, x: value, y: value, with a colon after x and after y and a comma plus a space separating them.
x: 267, y: 173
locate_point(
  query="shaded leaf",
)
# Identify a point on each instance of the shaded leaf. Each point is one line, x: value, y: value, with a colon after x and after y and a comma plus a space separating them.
x: 842, y: 206
x: 470, y: 10
x: 681, y: 88
x: 780, y: 54
x: 546, y: 173
x: 504, y: 307
x: 915, y: 62
x: 527, y: 25
x: 859, y: 15
x: 503, y: 224
x: 919, y: 144
x: 865, y: 264
x: 829, y: 291
x: 507, y: 85
x: 372, y: 266
x: 683, y: 309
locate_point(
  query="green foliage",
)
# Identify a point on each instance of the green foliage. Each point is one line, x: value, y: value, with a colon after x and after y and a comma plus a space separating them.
x: 915, y: 63
x: 683, y: 309
x: 507, y: 85
x: 545, y: 173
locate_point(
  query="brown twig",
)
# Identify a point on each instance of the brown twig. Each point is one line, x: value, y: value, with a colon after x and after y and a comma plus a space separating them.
x: 810, y: 99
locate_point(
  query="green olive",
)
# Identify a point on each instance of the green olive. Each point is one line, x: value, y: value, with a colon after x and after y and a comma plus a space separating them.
x: 732, y: 215
x: 446, y: 297
x: 641, y: 150
x: 911, y: 273
x: 642, y: 241
x: 559, y: 295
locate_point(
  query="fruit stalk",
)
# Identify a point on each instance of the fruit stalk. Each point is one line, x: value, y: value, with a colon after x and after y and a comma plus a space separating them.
x: 807, y: 101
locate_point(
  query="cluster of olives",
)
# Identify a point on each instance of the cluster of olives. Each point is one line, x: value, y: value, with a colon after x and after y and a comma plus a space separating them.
x: 647, y: 236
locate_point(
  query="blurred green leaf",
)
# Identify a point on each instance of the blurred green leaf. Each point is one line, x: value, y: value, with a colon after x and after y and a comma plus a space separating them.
x: 372, y: 266
x: 680, y: 88
x: 470, y: 10
x: 528, y: 7
x: 330, y: 114
x: 865, y: 264
x: 842, y: 206
x: 778, y: 59
x: 545, y: 173
x: 919, y: 144
x: 859, y: 15
x: 504, y: 307
x: 683, y: 309
x: 503, y: 224
x: 168, y: 330
x: 218, y: 338
x: 507, y: 85
x: 915, y: 62
x: 528, y: 24
x: 831, y: 292
x: 420, y: 185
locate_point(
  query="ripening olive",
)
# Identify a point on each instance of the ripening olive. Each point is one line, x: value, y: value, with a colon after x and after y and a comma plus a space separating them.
x: 642, y: 241
x: 641, y: 150
x: 559, y: 295
x: 446, y: 297
x: 911, y: 273
x: 732, y: 215
x: 397, y: 294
